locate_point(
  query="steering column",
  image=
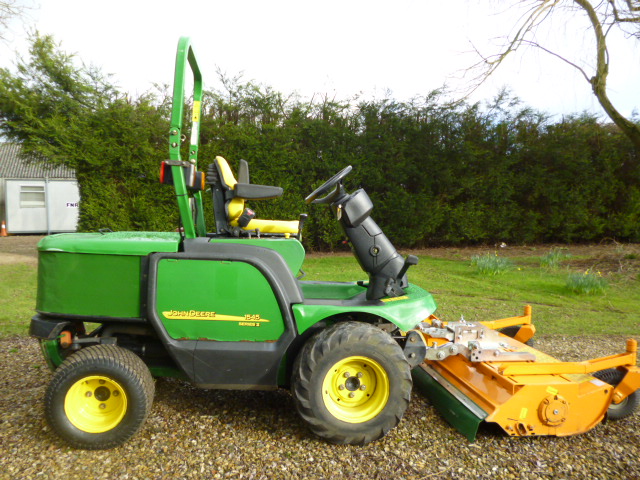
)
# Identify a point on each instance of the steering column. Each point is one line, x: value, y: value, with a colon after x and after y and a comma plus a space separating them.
x: 376, y: 254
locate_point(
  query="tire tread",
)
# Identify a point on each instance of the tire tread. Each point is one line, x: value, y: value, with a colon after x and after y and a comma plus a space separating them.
x: 330, y: 339
x: 110, y: 358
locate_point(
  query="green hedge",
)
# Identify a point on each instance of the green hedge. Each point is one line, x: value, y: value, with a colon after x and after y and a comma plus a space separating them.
x: 439, y: 174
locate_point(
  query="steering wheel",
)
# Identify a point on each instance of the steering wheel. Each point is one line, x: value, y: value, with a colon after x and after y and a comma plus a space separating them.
x: 326, y: 186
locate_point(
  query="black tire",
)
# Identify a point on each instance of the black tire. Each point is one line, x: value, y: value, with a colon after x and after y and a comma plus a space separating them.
x: 351, y: 383
x: 99, y: 397
x: 628, y: 405
x: 512, y: 331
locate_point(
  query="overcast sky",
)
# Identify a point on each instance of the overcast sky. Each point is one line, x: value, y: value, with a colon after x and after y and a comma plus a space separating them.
x: 338, y: 47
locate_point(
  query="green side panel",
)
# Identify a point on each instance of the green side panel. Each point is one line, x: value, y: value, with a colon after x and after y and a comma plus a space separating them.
x: 111, y: 243
x: 331, y: 290
x: 405, y: 311
x: 290, y: 248
x: 452, y: 410
x: 217, y: 300
x: 88, y: 284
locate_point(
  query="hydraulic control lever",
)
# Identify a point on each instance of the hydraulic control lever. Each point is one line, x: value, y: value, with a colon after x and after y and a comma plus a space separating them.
x: 408, y: 262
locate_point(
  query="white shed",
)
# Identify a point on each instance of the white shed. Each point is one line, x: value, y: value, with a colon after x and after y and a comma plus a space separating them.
x: 36, y: 197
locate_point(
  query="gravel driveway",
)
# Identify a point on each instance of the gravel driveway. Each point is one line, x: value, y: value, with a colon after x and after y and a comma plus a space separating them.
x: 194, y: 433
x: 257, y: 435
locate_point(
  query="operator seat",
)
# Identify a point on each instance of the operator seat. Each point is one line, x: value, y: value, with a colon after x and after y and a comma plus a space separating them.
x: 232, y: 194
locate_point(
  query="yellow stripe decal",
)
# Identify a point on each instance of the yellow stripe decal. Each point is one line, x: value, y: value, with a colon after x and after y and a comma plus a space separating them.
x: 394, y: 299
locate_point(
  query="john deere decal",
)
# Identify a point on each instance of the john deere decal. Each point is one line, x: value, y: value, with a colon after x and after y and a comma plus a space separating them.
x: 250, y: 319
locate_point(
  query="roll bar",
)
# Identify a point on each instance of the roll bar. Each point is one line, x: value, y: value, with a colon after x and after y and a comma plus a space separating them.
x: 189, y: 204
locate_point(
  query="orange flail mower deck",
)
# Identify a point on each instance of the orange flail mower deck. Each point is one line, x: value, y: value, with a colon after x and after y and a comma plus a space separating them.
x: 473, y: 373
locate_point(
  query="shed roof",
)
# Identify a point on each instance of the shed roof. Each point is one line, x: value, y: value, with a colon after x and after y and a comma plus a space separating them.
x: 13, y: 165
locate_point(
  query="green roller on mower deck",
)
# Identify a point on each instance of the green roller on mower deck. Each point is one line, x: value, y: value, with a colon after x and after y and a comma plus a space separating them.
x: 227, y: 310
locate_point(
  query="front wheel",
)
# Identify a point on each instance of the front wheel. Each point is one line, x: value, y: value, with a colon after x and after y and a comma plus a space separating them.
x: 99, y: 397
x: 351, y: 383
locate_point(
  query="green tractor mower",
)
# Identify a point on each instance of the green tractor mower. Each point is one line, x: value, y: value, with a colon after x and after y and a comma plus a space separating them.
x: 227, y: 310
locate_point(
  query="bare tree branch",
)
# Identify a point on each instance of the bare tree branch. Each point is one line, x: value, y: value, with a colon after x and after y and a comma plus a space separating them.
x: 536, y: 14
x: 603, y: 16
x: 599, y: 80
x: 630, y: 16
x: 9, y: 9
x: 546, y: 50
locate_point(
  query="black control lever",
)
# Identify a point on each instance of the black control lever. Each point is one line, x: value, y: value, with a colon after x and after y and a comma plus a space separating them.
x: 408, y: 262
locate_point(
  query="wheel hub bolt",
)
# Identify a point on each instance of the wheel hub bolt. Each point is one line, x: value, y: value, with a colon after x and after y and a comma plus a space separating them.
x: 363, y: 387
x: 88, y: 394
x: 351, y: 395
x: 103, y: 406
x: 116, y: 393
x: 101, y: 382
x: 359, y: 375
x: 341, y: 387
x: 347, y: 374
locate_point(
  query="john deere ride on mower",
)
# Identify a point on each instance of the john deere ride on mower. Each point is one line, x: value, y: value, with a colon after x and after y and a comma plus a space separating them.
x: 226, y: 310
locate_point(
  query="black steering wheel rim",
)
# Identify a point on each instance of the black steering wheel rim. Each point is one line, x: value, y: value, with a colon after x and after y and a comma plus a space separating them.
x: 326, y: 186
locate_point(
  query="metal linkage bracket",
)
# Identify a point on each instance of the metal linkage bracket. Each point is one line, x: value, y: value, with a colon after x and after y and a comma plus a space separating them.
x: 470, y: 339
x: 178, y: 163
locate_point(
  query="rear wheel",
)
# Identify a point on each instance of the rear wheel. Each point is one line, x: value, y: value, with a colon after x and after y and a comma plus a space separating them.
x: 99, y: 397
x: 617, y: 411
x: 351, y: 383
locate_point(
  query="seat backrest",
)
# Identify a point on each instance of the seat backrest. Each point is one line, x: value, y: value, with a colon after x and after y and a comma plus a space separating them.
x: 229, y: 197
x: 243, y: 172
x: 233, y: 205
x: 227, y: 177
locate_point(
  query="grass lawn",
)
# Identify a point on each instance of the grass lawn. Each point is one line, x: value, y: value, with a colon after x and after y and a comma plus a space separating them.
x: 459, y: 290
x: 17, y: 297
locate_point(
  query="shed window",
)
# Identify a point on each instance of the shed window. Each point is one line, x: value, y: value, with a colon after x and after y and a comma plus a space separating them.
x: 31, y: 196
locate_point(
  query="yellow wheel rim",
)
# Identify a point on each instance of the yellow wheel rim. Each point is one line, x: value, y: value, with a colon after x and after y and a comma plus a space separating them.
x: 355, y: 389
x: 95, y: 404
